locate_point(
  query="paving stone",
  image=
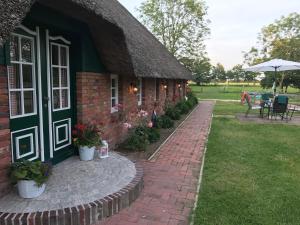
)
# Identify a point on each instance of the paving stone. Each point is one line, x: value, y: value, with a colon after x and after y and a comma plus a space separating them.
x: 74, y: 183
x: 171, y: 178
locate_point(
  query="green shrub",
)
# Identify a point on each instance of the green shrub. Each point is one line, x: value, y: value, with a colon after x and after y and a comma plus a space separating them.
x: 192, y: 98
x: 165, y: 122
x: 30, y: 170
x: 140, y: 138
x: 153, y: 135
x: 142, y: 131
x: 183, y: 107
x: 136, y: 142
x: 190, y: 104
x: 173, y: 113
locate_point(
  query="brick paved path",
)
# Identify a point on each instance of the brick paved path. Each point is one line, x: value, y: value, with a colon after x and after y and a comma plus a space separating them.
x: 171, y: 178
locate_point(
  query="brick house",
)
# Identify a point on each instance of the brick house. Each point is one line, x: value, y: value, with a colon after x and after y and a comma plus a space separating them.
x: 69, y: 61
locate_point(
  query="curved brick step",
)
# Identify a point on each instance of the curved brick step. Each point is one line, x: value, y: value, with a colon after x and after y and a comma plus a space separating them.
x: 86, y: 214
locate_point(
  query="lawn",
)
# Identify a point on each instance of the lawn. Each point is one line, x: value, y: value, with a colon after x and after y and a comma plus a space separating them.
x: 233, y: 92
x: 251, y: 173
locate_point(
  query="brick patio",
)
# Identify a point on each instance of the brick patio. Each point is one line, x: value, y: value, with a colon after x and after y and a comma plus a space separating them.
x: 171, y: 178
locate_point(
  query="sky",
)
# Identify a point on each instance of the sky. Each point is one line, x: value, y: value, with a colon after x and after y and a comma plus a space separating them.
x: 235, y: 24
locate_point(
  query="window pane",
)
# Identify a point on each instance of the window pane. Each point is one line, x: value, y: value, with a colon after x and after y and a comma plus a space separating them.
x: 63, y: 56
x: 54, y: 55
x: 26, y: 49
x: 15, y: 103
x: 113, y: 93
x: 65, y: 98
x: 113, y: 102
x: 28, y: 102
x: 56, y: 99
x: 113, y: 83
x: 27, y: 76
x: 14, y: 49
x: 14, y: 76
x: 55, y: 77
x: 64, y: 77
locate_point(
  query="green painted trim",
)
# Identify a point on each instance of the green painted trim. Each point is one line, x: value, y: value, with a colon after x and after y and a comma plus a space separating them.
x: 4, y: 55
x: 87, y: 57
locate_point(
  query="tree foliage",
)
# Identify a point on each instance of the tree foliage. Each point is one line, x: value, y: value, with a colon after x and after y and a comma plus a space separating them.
x: 280, y: 39
x: 201, y: 69
x: 218, y: 72
x: 181, y: 25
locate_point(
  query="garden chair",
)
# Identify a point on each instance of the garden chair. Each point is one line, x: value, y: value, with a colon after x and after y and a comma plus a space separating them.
x: 251, y: 107
x: 291, y: 111
x: 280, y: 107
x: 266, y: 96
x: 266, y: 102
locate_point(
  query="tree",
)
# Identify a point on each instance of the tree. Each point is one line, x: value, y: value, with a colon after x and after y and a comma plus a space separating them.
x: 179, y: 24
x: 218, y: 72
x: 237, y: 73
x: 280, y: 39
x: 201, y: 71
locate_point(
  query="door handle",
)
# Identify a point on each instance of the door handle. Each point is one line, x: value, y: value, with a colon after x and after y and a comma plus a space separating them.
x: 46, y: 100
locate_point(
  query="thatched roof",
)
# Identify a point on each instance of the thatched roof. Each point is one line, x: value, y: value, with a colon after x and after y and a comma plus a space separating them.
x: 124, y: 44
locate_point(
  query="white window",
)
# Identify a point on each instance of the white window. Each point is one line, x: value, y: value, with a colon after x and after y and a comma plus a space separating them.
x: 114, y: 85
x: 140, y: 91
x: 21, y: 76
x: 60, y: 71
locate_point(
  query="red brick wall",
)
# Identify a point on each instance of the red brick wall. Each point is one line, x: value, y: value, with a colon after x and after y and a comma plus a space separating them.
x: 162, y: 98
x: 5, y: 154
x: 93, y: 102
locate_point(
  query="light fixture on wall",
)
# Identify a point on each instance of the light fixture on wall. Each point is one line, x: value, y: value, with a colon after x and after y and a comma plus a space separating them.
x: 164, y: 85
x: 179, y: 86
x: 133, y: 89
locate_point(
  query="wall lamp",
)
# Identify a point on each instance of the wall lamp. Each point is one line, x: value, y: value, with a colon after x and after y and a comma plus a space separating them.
x: 133, y: 89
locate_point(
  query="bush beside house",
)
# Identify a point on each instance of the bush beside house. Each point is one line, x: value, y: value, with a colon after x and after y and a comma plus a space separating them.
x: 145, y: 134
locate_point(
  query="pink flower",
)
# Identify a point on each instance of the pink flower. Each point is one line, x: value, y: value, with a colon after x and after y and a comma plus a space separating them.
x: 127, y: 125
x: 118, y: 107
x: 150, y: 124
x: 142, y: 113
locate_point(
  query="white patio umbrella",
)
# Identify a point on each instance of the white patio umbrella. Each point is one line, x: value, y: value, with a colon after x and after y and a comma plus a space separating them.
x: 274, y: 65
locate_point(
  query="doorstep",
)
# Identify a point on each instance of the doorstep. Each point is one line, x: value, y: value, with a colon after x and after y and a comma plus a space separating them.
x: 78, y: 193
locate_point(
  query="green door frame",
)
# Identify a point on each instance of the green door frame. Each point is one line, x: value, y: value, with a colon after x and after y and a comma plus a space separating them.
x: 35, y: 132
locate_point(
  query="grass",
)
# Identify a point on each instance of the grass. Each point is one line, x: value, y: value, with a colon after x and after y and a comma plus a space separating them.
x: 251, y: 173
x: 225, y: 108
x: 233, y: 92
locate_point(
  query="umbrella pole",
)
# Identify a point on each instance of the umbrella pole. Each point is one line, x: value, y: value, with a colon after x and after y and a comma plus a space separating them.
x: 275, y: 81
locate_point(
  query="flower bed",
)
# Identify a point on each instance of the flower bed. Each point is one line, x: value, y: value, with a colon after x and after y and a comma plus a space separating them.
x: 148, y: 135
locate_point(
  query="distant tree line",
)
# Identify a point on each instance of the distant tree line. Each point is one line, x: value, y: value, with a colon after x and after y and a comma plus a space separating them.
x: 280, y: 39
x: 182, y: 26
x: 205, y: 73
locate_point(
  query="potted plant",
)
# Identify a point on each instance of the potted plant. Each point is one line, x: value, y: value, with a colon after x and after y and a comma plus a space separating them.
x: 30, y: 177
x: 86, y: 138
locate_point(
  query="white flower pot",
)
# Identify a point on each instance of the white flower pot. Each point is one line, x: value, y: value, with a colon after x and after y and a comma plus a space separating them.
x: 29, y: 189
x: 86, y: 153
